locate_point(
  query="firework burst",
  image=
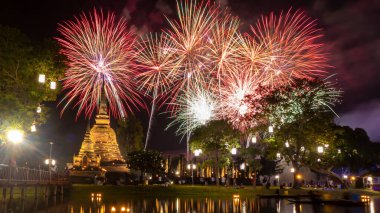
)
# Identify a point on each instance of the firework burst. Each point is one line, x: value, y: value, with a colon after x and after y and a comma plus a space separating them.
x: 100, y: 55
x: 235, y: 89
x: 195, y: 108
x: 292, y: 42
x: 189, y: 38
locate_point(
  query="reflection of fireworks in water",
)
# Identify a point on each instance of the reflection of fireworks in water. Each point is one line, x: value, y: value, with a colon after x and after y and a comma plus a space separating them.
x: 99, y: 59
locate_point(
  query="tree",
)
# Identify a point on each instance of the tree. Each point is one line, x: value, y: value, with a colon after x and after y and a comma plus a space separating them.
x: 216, y: 139
x: 149, y: 161
x: 21, y: 94
x: 301, y: 112
x: 130, y: 134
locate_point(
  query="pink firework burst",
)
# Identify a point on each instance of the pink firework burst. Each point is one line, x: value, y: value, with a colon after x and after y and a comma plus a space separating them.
x: 100, y: 53
x: 292, y: 41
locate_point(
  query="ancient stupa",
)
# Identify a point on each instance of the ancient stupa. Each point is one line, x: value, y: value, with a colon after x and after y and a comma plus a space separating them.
x: 99, y: 146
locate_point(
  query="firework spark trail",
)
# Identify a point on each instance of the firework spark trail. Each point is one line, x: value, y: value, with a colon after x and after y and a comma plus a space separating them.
x: 189, y: 36
x: 155, y: 59
x: 235, y: 88
x: 292, y: 40
x: 195, y: 108
x: 222, y: 42
x: 100, y: 56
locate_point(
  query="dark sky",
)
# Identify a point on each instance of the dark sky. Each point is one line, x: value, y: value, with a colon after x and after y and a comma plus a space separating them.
x: 351, y: 29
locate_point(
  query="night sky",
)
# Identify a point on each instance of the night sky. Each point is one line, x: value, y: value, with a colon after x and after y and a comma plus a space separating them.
x: 352, y: 35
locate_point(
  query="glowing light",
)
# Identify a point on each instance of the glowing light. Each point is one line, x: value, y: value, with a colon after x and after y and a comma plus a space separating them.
x: 353, y: 178
x: 100, y: 56
x: 33, y: 128
x: 287, y: 144
x: 299, y: 176
x: 277, y: 176
x: 339, y: 151
x: 254, y: 139
x: 278, y: 155
x: 318, y: 160
x: 292, y: 170
x: 53, y: 85
x: 197, y: 152
x: 320, y: 149
x: 15, y: 136
x: 242, y: 166
x: 270, y: 129
x: 41, y: 78
x: 39, y: 109
x: 113, y: 209
x: 345, y: 176
x: 233, y: 151
x: 123, y: 209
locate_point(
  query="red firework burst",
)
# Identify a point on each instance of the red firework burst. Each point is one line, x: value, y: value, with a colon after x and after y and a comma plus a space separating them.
x: 100, y: 54
x: 292, y: 41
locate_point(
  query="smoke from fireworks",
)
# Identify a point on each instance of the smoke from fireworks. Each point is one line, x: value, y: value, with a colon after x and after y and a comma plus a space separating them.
x: 100, y: 55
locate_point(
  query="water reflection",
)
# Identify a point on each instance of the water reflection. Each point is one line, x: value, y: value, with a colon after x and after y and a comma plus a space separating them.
x: 189, y: 205
x: 234, y: 204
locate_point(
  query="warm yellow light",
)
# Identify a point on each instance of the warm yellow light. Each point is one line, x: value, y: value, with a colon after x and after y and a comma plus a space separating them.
x: 320, y: 149
x: 254, y: 139
x: 369, y: 179
x: 113, y: 209
x: 15, y: 136
x: 292, y: 170
x: 345, y: 176
x: 39, y: 109
x: 353, y: 178
x: 299, y: 176
x: 277, y: 176
x: 123, y: 209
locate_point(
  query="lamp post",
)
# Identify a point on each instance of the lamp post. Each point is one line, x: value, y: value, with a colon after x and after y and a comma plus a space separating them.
x: 15, y: 137
x: 233, y: 152
x: 50, y: 161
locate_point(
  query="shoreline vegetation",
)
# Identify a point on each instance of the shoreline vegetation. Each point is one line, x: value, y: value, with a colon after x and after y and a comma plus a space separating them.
x: 110, y: 192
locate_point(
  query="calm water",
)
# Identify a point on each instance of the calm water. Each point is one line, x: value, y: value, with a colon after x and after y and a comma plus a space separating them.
x: 187, y: 205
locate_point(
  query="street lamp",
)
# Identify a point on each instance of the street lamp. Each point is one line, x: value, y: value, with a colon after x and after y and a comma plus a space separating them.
x: 15, y: 136
x: 41, y: 78
x: 270, y: 129
x: 53, y: 85
x: 233, y: 152
x: 33, y: 128
x: 254, y: 139
x: 320, y: 149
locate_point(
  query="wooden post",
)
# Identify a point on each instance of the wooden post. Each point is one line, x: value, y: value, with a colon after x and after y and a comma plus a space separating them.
x: 4, y: 194
x: 55, y: 190
x: 46, y: 192
x: 35, y: 192
x: 61, y: 191
x: 22, y: 193
x: 11, y: 192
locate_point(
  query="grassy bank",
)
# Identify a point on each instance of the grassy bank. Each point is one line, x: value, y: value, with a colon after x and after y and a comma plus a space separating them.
x: 82, y: 192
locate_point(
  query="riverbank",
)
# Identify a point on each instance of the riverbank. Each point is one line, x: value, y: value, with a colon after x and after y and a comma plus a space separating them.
x: 109, y: 192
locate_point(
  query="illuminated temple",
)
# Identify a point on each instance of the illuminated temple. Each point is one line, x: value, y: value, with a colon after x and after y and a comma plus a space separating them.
x: 99, y: 146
